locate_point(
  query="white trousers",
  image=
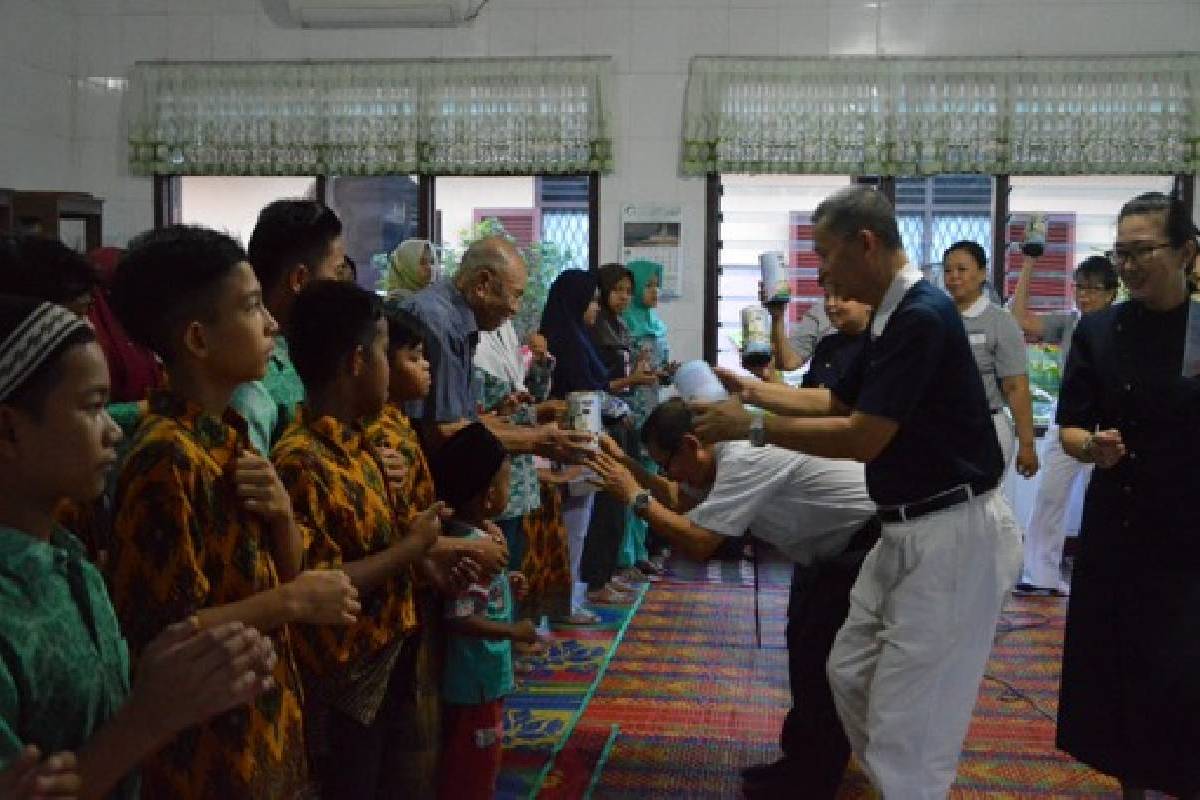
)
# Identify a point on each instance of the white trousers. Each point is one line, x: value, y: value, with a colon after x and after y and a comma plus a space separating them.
x: 1047, y: 530
x: 906, y: 665
x: 577, y: 513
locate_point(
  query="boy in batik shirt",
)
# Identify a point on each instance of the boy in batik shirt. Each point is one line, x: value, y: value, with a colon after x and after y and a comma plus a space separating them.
x: 355, y: 678
x: 203, y: 526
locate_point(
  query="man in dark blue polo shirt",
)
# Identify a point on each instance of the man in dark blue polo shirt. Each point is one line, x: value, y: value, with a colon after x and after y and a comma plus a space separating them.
x: 906, y: 666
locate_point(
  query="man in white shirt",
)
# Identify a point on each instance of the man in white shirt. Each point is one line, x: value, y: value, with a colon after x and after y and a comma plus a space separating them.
x: 814, y: 510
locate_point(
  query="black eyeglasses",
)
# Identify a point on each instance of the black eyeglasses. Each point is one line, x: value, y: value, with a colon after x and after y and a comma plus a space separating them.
x: 1091, y: 288
x: 1138, y: 254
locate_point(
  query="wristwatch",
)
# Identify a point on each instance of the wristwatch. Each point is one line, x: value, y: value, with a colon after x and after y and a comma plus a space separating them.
x: 641, y: 502
x: 758, y: 431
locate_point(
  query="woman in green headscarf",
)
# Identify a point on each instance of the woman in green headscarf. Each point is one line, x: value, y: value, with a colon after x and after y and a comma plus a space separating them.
x: 648, y: 334
x: 409, y: 268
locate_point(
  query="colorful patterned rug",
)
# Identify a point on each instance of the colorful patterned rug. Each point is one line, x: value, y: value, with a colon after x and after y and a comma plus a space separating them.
x: 541, y: 715
x: 696, y: 700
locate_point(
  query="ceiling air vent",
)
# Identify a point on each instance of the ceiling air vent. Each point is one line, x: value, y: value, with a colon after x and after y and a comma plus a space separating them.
x: 372, y: 13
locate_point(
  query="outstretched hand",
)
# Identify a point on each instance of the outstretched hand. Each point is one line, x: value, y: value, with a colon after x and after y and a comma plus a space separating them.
x: 614, y: 478
x: 725, y: 421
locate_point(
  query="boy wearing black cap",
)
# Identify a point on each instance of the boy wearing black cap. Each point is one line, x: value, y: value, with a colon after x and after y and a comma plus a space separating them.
x: 471, y: 472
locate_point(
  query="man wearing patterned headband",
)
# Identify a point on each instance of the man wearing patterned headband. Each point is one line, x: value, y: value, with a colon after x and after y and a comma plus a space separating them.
x: 64, y: 668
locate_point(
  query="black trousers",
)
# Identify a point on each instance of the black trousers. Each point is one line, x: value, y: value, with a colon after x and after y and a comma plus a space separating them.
x: 606, y: 528
x: 817, y: 607
x: 363, y: 759
x: 602, y: 547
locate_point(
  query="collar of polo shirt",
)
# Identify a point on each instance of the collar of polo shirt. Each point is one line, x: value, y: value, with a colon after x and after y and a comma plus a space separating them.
x: 901, y: 283
x: 978, y: 307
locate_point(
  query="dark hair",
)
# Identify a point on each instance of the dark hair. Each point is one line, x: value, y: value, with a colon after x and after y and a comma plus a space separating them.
x: 973, y: 249
x: 608, y: 276
x: 30, y: 395
x: 289, y: 233
x: 405, y: 329
x: 330, y: 319
x: 667, y: 424
x: 1179, y: 225
x: 353, y: 267
x: 1100, y: 268
x: 45, y: 269
x: 466, y: 464
x: 169, y: 277
x: 858, y: 208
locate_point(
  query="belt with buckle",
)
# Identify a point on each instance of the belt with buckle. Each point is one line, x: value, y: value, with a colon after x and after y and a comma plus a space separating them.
x: 938, y: 502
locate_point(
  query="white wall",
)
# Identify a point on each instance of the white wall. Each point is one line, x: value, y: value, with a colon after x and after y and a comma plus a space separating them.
x: 37, y: 106
x: 650, y: 40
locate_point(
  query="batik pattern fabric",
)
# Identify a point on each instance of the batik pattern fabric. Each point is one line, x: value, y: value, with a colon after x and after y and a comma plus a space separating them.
x: 416, y: 755
x: 546, y: 565
x: 182, y: 542
x: 523, y: 494
x: 342, y: 505
x: 64, y: 667
x: 392, y: 430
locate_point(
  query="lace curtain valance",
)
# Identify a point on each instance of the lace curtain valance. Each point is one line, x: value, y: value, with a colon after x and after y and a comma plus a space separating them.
x: 468, y: 117
x: 921, y: 116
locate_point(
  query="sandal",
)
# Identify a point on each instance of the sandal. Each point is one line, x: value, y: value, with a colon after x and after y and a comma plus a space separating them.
x: 582, y: 617
x: 609, y: 596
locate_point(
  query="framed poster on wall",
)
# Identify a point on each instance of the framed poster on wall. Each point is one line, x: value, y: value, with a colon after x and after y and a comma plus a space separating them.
x: 651, y: 232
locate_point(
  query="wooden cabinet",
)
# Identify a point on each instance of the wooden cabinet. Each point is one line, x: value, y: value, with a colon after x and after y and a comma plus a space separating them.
x: 74, y: 217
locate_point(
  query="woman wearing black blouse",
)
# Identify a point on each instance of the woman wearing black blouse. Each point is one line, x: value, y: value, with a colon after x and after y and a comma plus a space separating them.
x: 1130, y: 697
x: 626, y: 371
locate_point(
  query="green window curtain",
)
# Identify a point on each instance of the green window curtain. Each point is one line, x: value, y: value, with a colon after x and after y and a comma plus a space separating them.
x: 920, y: 116
x: 454, y: 116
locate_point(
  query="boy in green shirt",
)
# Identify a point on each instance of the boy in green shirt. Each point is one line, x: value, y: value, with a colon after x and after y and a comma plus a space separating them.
x: 293, y: 243
x: 64, y: 666
x: 471, y: 472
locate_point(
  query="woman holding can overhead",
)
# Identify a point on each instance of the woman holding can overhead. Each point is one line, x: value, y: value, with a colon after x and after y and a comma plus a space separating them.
x: 1130, y: 700
x: 1095, y: 289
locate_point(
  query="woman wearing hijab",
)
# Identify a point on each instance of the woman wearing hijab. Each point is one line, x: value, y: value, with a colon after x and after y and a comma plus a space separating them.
x: 648, y: 333
x: 610, y: 541
x: 409, y: 269
x: 133, y: 369
x: 571, y: 309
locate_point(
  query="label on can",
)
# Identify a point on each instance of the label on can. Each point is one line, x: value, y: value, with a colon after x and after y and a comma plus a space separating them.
x: 776, y: 286
x: 756, y: 331
x: 583, y: 412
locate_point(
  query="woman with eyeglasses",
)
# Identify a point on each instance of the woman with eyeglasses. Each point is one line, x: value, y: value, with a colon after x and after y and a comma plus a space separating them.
x: 1129, y: 704
x: 1095, y: 282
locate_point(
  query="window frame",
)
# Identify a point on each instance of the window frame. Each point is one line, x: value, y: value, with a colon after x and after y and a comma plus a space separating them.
x: 168, y: 193
x: 1184, y: 187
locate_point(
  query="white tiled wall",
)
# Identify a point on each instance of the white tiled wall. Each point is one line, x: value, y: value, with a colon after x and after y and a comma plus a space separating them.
x: 60, y: 130
x: 37, y: 41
